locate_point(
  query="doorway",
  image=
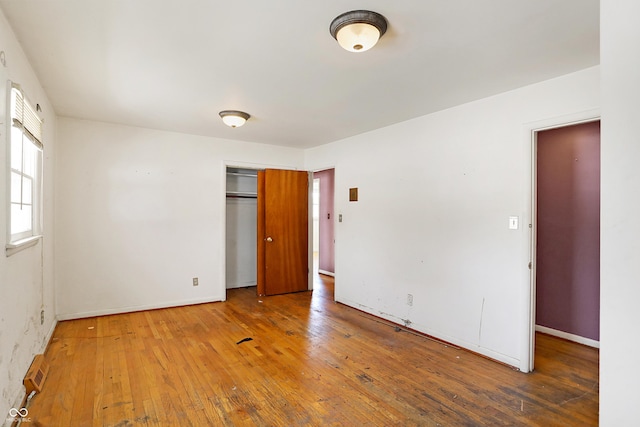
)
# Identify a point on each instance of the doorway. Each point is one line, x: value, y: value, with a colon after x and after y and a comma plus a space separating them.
x: 565, y: 233
x: 324, y: 222
x: 274, y: 202
x: 241, y: 251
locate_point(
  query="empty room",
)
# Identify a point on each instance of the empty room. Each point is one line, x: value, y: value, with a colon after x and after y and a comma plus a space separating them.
x: 339, y: 213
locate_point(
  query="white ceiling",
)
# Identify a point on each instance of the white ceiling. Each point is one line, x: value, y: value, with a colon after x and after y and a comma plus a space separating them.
x: 174, y: 64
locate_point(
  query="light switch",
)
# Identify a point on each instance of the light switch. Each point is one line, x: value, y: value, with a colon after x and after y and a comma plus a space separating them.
x: 513, y: 223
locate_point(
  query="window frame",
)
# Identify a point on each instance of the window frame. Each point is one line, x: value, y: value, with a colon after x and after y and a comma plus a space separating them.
x: 29, y: 128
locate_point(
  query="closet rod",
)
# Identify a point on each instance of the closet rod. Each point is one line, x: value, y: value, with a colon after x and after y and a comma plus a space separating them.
x: 240, y: 195
x: 249, y: 175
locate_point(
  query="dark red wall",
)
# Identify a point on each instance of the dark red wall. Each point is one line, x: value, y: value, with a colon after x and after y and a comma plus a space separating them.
x: 326, y: 257
x: 568, y: 230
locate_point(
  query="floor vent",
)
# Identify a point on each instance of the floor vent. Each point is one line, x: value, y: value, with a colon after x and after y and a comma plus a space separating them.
x: 36, y: 374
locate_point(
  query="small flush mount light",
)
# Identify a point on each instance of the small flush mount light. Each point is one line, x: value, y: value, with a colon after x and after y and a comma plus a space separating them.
x: 358, y: 30
x: 233, y: 118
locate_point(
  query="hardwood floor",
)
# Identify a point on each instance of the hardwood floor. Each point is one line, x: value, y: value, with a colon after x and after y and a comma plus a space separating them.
x: 310, y: 361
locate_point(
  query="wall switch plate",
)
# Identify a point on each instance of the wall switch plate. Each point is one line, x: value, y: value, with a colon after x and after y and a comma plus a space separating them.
x: 340, y: 218
x: 195, y: 281
x: 409, y: 299
x: 513, y: 223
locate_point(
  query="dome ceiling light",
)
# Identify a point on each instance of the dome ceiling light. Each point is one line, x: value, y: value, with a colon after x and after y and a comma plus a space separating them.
x: 358, y: 30
x: 234, y: 118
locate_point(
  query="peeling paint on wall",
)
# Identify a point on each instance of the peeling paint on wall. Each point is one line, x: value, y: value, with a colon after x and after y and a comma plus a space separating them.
x: 480, y: 327
x: 26, y: 276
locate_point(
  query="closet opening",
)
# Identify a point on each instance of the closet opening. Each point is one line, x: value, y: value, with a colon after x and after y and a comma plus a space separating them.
x: 241, y: 227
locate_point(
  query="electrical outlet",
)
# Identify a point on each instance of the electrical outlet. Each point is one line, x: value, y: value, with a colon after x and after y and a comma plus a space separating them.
x: 195, y: 281
x: 409, y: 299
x: 42, y: 317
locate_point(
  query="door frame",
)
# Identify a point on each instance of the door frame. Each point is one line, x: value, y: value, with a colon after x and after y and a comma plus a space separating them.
x: 530, y: 135
x: 334, y: 218
x: 223, y: 218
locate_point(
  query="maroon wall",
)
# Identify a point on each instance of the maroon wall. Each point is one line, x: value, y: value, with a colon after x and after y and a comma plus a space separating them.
x: 326, y: 258
x: 568, y: 230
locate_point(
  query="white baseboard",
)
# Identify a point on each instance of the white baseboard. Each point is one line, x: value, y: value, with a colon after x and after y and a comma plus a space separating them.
x: 130, y: 309
x: 326, y: 273
x: 446, y: 340
x: 47, y: 338
x: 567, y: 336
x: 241, y: 285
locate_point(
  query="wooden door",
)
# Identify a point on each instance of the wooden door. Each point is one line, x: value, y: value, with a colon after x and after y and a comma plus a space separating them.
x: 283, y: 231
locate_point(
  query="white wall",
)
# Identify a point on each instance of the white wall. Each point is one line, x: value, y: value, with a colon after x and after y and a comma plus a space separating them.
x: 26, y: 278
x: 435, y: 195
x: 620, y: 227
x: 141, y: 212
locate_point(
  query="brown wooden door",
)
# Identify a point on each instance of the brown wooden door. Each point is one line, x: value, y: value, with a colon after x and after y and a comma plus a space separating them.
x: 283, y: 231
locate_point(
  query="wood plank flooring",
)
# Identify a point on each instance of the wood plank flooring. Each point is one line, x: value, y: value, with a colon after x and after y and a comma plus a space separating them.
x: 310, y: 362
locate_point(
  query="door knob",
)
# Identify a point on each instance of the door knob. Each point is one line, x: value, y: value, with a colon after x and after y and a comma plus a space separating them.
x: 269, y: 239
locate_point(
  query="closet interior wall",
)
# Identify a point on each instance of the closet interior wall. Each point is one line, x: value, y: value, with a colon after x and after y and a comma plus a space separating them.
x: 242, y: 209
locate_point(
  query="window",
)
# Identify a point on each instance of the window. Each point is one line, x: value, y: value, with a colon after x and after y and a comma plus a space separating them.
x: 25, y: 170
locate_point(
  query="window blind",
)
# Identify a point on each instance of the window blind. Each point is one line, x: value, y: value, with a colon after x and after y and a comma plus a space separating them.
x: 25, y: 117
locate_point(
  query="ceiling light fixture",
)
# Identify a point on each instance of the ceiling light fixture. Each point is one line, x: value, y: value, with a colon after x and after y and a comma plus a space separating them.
x: 233, y: 118
x: 358, y: 30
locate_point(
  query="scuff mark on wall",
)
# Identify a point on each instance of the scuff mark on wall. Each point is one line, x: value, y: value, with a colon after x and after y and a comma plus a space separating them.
x: 480, y: 327
x: 15, y: 350
x: 32, y: 322
x: 389, y: 315
x: 11, y: 362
